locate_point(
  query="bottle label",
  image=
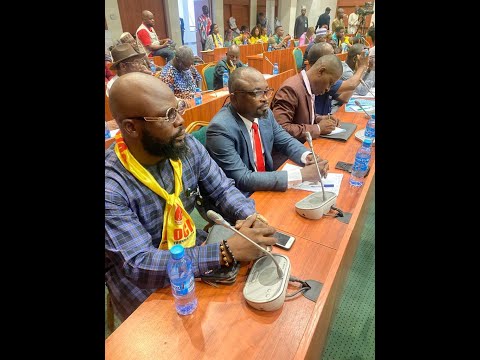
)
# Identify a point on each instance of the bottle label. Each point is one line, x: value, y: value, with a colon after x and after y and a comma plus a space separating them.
x: 369, y: 132
x: 361, y: 165
x: 184, y: 288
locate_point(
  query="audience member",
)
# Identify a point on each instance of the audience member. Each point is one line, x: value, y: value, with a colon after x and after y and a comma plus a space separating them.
x: 203, y: 25
x: 148, y: 41
x: 293, y: 103
x: 351, y: 64
x: 241, y: 136
x: 263, y: 35
x: 255, y: 36
x: 150, y: 173
x: 324, y: 19
x: 264, y: 23
x: 228, y: 38
x: 338, y: 21
x: 281, y: 41
x: 301, y: 23
x: 232, y: 25
x: 307, y: 37
x: 340, y: 41
x: 341, y: 91
x: 320, y: 37
x: 180, y: 74
x: 182, y: 30
x: 126, y: 60
x: 371, y: 52
x: 353, y: 21
x: 242, y: 39
x: 229, y: 63
x: 127, y: 38
x: 214, y: 39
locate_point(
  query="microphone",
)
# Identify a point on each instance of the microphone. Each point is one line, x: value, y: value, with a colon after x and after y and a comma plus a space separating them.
x: 266, y: 58
x: 310, y: 143
x: 361, y: 107
x: 219, y: 220
x: 368, y: 87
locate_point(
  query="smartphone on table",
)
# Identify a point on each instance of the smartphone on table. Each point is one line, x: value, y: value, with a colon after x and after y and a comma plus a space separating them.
x: 284, y: 241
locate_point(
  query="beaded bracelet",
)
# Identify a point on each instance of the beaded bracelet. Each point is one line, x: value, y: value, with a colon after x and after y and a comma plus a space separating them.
x: 227, y: 254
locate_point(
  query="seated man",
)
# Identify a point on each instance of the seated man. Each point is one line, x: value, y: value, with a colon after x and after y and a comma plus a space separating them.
x: 148, y: 41
x: 126, y: 37
x: 126, y: 60
x: 280, y: 42
x: 341, y: 91
x: 241, y: 136
x: 320, y: 37
x: 352, y: 63
x: 228, y: 64
x: 153, y: 159
x: 180, y: 74
x: 293, y: 103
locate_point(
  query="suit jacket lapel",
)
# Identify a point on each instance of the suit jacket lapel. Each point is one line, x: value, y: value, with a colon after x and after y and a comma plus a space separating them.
x: 267, y: 138
x: 245, y: 135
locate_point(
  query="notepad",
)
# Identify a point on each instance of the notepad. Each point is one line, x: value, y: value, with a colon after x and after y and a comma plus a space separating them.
x: 331, y: 183
x: 337, y: 130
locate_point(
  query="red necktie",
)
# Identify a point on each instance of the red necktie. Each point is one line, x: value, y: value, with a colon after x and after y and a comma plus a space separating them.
x: 258, y: 148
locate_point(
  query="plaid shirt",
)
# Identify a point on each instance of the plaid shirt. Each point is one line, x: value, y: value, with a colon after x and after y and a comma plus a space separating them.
x: 134, y: 266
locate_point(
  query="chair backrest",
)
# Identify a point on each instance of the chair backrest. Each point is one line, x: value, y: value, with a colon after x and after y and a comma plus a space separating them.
x: 198, y: 129
x: 297, y: 59
x: 207, y: 74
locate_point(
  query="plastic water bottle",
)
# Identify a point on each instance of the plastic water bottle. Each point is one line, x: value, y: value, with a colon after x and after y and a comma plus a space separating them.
x: 182, y: 281
x: 289, y: 43
x: 360, y: 166
x: 269, y: 47
x: 275, y: 69
x: 370, y: 128
x: 153, y: 67
x: 198, y: 96
x: 225, y: 78
x: 107, y: 131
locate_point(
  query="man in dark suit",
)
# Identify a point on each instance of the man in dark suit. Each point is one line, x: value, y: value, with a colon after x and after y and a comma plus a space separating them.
x: 293, y: 105
x: 324, y: 19
x: 232, y: 133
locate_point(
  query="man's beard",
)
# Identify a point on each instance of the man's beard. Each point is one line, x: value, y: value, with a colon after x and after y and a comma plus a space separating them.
x: 262, y: 114
x: 170, y: 150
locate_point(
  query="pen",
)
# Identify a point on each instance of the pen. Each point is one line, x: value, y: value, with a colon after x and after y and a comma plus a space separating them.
x: 328, y: 185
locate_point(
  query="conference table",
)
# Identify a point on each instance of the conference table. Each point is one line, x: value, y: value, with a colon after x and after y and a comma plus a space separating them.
x: 224, y: 325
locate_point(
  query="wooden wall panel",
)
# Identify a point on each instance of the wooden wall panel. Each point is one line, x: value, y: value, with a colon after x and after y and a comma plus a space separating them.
x: 131, y: 15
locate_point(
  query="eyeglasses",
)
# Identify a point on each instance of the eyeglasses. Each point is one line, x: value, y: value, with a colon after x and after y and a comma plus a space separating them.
x: 257, y: 93
x: 171, y: 113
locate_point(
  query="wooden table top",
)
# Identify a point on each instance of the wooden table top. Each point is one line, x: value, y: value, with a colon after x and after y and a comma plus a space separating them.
x: 224, y: 325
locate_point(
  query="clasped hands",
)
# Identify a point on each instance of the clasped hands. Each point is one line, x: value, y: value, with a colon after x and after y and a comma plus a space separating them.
x: 256, y: 230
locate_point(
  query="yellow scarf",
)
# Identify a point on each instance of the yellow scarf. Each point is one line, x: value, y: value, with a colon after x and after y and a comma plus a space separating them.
x: 217, y: 39
x: 178, y: 227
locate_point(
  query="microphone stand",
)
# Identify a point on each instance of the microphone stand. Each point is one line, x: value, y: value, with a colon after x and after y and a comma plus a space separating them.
x: 219, y: 220
x: 310, y: 143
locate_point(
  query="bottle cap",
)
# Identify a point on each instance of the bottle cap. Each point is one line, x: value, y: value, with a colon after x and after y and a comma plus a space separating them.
x: 367, y: 141
x: 177, y: 251
x: 197, y: 89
